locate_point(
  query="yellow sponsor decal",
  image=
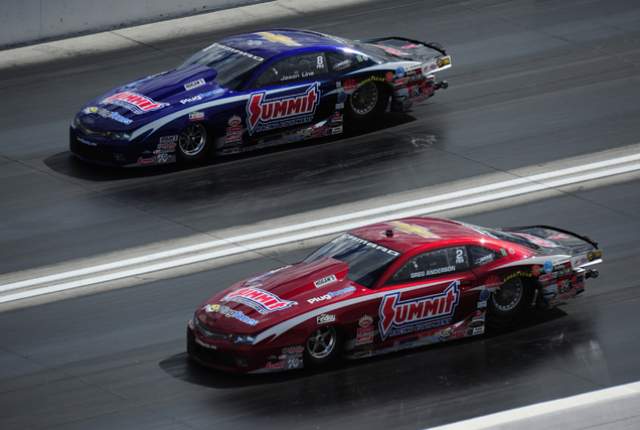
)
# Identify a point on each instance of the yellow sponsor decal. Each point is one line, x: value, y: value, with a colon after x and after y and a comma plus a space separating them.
x: 212, y: 308
x: 594, y: 255
x: 443, y: 61
x: 518, y: 274
x: 278, y: 38
x: 418, y: 230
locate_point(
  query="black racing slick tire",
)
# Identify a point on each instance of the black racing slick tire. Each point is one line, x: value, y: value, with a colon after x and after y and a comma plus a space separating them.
x: 323, y: 347
x: 367, y: 103
x: 510, y: 303
x: 193, y: 144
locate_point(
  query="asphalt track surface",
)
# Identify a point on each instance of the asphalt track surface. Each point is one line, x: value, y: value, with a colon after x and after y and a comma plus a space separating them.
x: 532, y: 81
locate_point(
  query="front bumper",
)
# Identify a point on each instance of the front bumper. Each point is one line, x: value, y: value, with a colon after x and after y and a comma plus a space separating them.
x: 215, y: 356
x: 102, y: 153
x: 241, y: 359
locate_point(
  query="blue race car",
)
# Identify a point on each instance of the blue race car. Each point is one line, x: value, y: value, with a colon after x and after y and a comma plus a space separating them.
x: 254, y: 90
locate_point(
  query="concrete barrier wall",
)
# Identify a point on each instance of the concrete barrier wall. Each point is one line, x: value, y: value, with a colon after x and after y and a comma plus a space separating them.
x: 27, y: 21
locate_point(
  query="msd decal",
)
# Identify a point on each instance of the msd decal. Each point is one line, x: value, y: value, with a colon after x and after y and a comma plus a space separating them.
x: 264, y: 113
x: 134, y: 102
x: 398, y: 317
x: 260, y: 300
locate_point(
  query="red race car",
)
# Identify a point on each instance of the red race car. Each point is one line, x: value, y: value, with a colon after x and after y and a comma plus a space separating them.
x: 387, y: 287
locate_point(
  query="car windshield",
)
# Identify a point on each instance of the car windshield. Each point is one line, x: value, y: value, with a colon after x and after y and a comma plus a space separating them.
x: 366, y: 260
x: 232, y: 65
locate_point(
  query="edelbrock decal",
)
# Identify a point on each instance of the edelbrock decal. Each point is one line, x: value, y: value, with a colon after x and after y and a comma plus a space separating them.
x: 266, y: 113
x: 398, y: 317
x: 260, y: 300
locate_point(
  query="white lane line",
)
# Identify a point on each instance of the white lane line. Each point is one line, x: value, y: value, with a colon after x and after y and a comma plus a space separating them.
x: 564, y: 405
x: 238, y: 249
x: 312, y: 224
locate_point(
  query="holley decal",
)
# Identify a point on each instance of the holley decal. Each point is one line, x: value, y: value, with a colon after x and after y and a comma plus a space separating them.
x: 398, y: 317
x: 265, y: 113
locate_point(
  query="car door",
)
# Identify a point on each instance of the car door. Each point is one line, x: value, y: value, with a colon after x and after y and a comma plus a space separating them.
x: 431, y: 290
x: 482, y: 260
x: 290, y: 94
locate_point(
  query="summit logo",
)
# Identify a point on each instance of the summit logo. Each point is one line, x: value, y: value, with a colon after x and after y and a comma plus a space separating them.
x: 136, y: 103
x: 265, y: 113
x: 398, y: 317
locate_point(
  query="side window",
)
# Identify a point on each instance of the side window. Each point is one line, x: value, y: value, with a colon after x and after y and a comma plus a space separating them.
x: 345, y: 61
x: 296, y: 68
x: 433, y: 263
x: 480, y: 256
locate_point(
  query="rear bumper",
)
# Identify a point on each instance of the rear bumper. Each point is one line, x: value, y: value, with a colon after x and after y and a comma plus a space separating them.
x: 406, y: 96
x: 562, y: 285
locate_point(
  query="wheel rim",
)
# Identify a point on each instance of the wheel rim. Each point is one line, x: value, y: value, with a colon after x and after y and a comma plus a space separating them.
x: 364, y: 100
x: 193, y: 140
x: 508, y: 297
x: 321, y: 343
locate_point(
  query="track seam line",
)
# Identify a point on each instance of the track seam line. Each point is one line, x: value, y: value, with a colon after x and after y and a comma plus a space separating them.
x: 237, y: 240
x: 271, y: 241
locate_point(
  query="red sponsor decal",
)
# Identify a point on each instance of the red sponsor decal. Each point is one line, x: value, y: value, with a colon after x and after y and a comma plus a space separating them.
x: 398, y: 317
x: 146, y: 160
x: 275, y: 365
x: 364, y: 335
x: 234, y: 130
x: 260, y: 300
x: 349, y: 85
x: 364, y: 332
x: 134, y: 102
x: 365, y: 321
x: 266, y: 114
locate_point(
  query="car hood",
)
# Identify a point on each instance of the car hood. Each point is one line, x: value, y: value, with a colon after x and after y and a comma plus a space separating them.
x: 278, y: 295
x: 149, y: 98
